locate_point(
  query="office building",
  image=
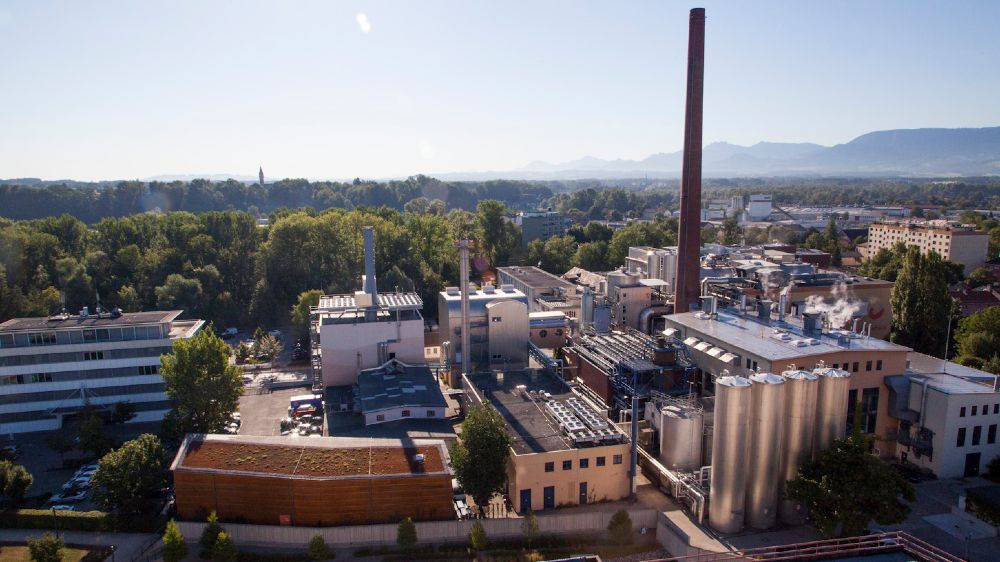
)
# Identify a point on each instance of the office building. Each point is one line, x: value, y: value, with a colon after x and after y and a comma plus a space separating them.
x: 540, y: 225
x: 54, y: 368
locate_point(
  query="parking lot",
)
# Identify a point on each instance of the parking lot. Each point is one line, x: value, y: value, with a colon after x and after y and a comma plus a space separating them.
x: 262, y: 413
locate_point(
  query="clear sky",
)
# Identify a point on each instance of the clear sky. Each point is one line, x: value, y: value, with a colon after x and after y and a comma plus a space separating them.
x: 338, y: 89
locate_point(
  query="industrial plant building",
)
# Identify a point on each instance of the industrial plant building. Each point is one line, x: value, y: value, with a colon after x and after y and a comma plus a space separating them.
x: 951, y: 240
x: 565, y: 452
x: 365, y: 329
x: 312, y: 482
x: 548, y: 330
x: 498, y: 327
x: 398, y: 391
x: 546, y: 292
x: 53, y: 368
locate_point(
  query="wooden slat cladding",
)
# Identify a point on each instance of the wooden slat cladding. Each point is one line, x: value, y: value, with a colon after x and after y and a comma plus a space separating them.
x: 264, y: 499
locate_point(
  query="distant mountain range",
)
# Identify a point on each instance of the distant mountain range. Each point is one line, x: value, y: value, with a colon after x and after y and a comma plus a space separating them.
x: 899, y: 152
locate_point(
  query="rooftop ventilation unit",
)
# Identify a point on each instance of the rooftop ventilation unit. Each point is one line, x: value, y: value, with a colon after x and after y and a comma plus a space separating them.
x: 489, y: 289
x: 507, y: 288
x: 452, y: 291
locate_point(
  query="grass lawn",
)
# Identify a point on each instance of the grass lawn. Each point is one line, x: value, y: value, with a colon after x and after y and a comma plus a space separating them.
x: 20, y: 554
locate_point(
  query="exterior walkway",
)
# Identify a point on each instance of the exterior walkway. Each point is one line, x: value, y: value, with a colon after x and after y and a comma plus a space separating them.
x: 128, y: 546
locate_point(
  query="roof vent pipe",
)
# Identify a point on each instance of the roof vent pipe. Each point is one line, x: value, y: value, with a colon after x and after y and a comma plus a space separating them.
x: 782, y: 302
x: 764, y: 310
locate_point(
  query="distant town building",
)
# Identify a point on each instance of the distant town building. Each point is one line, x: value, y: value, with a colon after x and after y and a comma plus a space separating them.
x: 540, y: 225
x: 55, y: 369
x: 759, y: 207
x: 959, y: 243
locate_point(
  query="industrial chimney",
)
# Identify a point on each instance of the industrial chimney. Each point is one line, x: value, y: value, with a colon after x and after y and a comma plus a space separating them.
x: 369, y: 287
x: 689, y: 243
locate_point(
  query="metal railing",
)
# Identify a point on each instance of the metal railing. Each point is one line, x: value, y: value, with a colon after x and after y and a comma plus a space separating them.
x: 895, y: 541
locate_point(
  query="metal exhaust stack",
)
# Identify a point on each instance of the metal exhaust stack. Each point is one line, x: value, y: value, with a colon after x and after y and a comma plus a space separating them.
x: 689, y: 243
x: 370, y: 286
x: 463, y: 279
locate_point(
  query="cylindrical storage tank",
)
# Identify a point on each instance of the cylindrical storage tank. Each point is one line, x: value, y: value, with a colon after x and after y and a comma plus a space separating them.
x: 681, y: 431
x: 800, y: 419
x: 730, y: 449
x: 831, y: 406
x: 587, y: 307
x: 767, y: 427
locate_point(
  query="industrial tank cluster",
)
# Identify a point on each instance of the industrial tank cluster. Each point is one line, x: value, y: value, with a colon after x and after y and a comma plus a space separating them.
x: 765, y: 427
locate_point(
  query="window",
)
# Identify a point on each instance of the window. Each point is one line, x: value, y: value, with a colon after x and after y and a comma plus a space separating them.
x: 753, y: 365
x: 600, y: 461
x: 748, y: 362
x: 42, y: 338
x: 996, y: 408
x: 991, y: 434
x: 568, y: 465
x: 93, y: 355
x: 986, y: 409
x: 869, y: 409
x: 496, y: 319
x: 430, y: 413
x: 551, y: 466
x: 149, y: 369
x: 497, y: 357
x: 878, y: 365
x: 977, y: 435
x: 961, y: 412
x: 89, y: 335
x: 585, y: 463
x: 543, y: 333
x: 559, y: 331
x: 960, y: 442
x: 974, y: 408
x: 617, y: 459
x: 854, y: 367
x: 379, y: 417
x: 405, y: 413
x: 836, y: 365
x: 12, y: 379
x: 40, y: 377
x: 868, y: 365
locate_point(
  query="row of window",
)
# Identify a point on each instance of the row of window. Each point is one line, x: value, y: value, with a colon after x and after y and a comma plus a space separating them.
x: 70, y: 395
x: 95, y: 374
x: 48, y: 358
x: 856, y: 366
x: 975, y: 409
x: 584, y: 463
x: 87, y: 335
x: 977, y: 435
x: 404, y: 413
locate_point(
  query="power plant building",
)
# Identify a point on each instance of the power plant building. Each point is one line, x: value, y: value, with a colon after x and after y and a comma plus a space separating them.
x: 53, y: 368
x: 498, y: 327
x: 546, y: 292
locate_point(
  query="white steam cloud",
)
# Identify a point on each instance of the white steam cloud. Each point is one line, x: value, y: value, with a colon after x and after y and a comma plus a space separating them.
x: 840, y: 307
x: 363, y: 23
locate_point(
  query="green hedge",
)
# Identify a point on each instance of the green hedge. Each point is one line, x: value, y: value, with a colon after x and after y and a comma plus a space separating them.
x: 61, y: 520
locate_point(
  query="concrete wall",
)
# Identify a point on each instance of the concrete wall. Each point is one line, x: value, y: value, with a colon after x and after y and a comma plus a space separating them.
x: 416, y: 412
x: 427, y: 532
x: 507, y: 328
x: 943, y: 416
x: 608, y: 482
x: 348, y: 348
x: 554, y: 337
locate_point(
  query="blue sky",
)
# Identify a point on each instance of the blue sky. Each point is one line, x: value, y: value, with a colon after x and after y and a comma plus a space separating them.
x: 96, y: 90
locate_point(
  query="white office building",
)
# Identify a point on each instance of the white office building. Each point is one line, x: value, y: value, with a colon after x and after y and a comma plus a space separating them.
x: 53, y: 368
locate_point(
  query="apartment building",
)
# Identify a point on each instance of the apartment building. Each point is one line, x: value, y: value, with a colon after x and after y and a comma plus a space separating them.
x: 540, y: 225
x: 53, y: 368
x: 952, y: 241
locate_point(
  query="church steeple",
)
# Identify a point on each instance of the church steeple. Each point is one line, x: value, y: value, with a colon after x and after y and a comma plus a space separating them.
x: 261, y: 176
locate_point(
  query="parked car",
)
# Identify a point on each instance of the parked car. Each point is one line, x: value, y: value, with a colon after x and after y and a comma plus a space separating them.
x: 229, y: 333
x: 91, y: 468
x: 79, y: 483
x: 64, y: 497
x: 62, y: 507
x: 275, y: 333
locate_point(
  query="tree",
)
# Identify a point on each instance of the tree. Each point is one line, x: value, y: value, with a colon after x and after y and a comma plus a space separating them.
x: 61, y: 443
x: 127, y: 477
x: 992, y: 365
x: 47, y: 548
x: 122, y: 412
x: 93, y: 437
x: 920, y: 301
x: 846, y: 486
x: 592, y: 256
x: 174, y: 547
x: 179, y: 292
x: 17, y: 481
x: 477, y: 537
x: 243, y: 352
x: 529, y: 527
x: 981, y: 276
x: 479, y: 458
x: 318, y: 550
x: 127, y: 299
x: 269, y: 346
x: 209, y: 536
x: 406, y: 534
x: 204, y: 387
x: 300, y: 313
x: 224, y: 549
x: 620, y: 527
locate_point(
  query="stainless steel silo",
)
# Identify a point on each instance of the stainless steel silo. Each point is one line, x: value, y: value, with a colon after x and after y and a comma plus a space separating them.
x: 730, y: 442
x: 831, y: 406
x: 800, y: 420
x: 767, y: 431
x: 681, y: 431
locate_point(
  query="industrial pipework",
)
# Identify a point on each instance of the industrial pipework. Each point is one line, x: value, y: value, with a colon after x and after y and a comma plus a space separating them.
x: 689, y: 243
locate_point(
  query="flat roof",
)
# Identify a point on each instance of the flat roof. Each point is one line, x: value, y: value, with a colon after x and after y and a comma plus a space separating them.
x: 921, y: 364
x: 535, y: 277
x: 391, y: 301
x: 750, y: 335
x: 105, y: 320
x: 396, y: 384
x: 481, y: 295
x: 314, y: 457
x: 530, y: 423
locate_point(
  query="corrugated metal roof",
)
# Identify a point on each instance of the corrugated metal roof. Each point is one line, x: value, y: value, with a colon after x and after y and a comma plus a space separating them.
x: 392, y: 301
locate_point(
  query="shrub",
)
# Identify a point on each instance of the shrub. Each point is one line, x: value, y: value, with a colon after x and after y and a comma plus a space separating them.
x: 62, y: 520
x: 529, y: 527
x: 209, y: 535
x: 318, y: 550
x: 620, y: 527
x: 406, y: 534
x: 174, y: 547
x: 47, y: 548
x: 477, y: 537
x: 224, y: 549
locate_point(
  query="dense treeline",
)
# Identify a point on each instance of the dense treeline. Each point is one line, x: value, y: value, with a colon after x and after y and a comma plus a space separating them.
x: 220, y: 266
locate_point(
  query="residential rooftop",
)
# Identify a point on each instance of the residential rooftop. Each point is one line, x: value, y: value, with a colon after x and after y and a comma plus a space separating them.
x: 748, y: 333
x: 533, y: 422
x: 396, y: 384
x: 76, y: 321
x: 310, y: 457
